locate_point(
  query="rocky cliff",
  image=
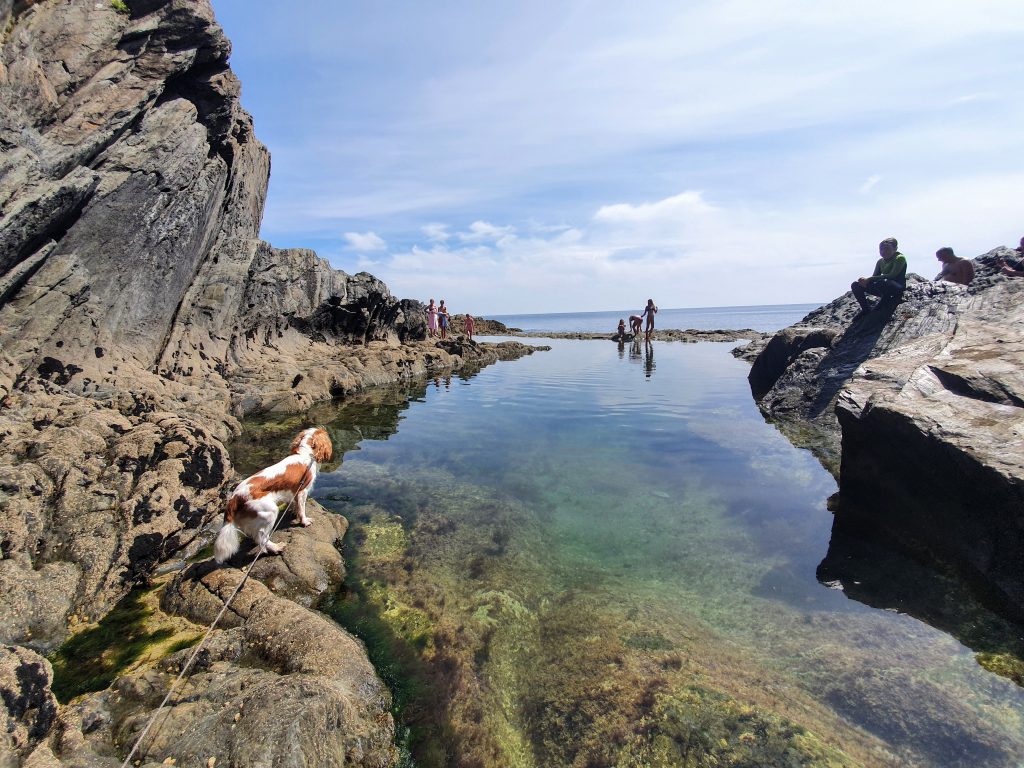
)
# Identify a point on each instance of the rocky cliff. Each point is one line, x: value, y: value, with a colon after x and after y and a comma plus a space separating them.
x: 918, y: 410
x: 140, y: 316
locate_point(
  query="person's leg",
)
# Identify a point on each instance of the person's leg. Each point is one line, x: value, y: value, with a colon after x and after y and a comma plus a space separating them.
x: 858, y: 294
x: 890, y: 291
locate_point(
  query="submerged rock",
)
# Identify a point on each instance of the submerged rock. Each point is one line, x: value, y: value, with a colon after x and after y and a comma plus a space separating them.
x: 918, y: 409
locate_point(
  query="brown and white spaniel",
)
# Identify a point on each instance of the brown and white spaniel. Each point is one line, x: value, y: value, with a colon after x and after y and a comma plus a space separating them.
x: 252, y: 508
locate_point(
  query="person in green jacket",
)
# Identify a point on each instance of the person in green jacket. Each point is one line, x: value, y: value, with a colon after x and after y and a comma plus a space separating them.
x: 889, y: 279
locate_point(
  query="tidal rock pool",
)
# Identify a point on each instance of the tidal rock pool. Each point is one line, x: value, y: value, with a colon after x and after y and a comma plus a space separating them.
x: 603, y: 555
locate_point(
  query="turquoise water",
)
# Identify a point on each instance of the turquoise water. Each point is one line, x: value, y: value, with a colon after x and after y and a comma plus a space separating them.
x: 766, y: 318
x: 602, y: 554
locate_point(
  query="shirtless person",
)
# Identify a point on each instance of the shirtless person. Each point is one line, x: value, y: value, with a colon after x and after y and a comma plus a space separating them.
x: 635, y: 321
x: 954, y: 269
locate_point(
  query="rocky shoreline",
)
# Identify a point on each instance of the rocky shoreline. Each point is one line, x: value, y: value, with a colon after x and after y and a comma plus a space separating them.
x: 917, y: 411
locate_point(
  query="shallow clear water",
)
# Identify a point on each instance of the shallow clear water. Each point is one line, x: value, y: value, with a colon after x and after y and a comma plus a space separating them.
x: 612, y: 558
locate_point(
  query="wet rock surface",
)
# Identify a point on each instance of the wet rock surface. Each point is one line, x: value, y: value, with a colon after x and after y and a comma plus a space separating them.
x: 917, y: 408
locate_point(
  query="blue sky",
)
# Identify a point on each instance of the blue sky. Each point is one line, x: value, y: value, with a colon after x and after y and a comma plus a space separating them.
x: 576, y: 156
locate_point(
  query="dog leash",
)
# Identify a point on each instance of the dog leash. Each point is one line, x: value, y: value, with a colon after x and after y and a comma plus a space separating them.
x: 223, y: 610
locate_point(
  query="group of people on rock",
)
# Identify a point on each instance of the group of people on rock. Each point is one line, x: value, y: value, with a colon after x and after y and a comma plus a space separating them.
x: 636, y: 321
x: 889, y: 279
x: 439, y: 321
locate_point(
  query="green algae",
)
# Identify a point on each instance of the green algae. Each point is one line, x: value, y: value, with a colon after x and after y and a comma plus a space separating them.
x: 133, y: 632
x: 1004, y: 664
x: 705, y: 729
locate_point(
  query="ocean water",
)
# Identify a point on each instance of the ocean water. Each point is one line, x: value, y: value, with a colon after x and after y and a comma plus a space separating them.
x: 603, y: 555
x: 766, y: 318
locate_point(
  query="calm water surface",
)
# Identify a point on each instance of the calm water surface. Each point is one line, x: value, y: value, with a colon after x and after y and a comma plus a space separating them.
x: 603, y: 555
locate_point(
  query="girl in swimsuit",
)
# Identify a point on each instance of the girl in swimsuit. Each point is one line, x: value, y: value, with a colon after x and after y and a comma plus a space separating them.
x: 431, y: 320
x: 650, y: 311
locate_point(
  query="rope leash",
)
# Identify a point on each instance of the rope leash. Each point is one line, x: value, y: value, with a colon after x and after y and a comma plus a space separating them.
x: 223, y: 610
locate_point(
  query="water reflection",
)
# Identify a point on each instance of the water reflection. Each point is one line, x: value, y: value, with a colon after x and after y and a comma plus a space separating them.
x: 642, y: 355
x: 897, y: 576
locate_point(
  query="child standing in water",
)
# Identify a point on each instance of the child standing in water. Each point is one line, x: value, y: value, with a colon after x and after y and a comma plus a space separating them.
x: 431, y: 320
x: 649, y: 311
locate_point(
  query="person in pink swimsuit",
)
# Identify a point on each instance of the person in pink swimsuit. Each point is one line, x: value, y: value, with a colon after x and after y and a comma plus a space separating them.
x: 431, y: 320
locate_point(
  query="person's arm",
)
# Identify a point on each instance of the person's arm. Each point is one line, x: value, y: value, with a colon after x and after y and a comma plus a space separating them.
x: 877, y: 274
x: 899, y: 272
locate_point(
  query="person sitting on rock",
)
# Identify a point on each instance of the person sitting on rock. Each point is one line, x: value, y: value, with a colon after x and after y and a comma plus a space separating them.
x: 954, y: 269
x: 620, y: 332
x: 889, y: 279
x: 1014, y: 267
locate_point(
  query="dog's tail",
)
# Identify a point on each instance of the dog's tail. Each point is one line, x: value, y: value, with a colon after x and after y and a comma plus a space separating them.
x: 227, y: 542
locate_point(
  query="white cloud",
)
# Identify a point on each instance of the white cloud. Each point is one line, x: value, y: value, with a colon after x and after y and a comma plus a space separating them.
x: 484, y: 230
x: 366, y: 241
x: 869, y: 184
x: 685, y: 204
x: 436, y: 231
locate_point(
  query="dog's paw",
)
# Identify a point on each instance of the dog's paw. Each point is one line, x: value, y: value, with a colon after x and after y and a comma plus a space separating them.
x: 307, y: 522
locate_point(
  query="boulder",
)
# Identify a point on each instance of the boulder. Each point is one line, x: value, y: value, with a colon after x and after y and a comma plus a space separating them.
x: 918, y: 408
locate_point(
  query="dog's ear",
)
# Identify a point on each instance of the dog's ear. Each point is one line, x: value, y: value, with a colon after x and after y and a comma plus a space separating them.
x: 323, y: 450
x: 297, y: 442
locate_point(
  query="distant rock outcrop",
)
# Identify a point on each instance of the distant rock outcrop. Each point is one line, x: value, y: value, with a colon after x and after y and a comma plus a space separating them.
x: 919, y: 409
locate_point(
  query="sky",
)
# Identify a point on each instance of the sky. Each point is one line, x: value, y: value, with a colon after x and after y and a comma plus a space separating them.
x: 570, y: 156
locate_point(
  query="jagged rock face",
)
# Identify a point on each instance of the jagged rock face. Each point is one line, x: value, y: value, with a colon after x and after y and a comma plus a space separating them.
x: 926, y: 404
x: 131, y: 192
x: 139, y: 312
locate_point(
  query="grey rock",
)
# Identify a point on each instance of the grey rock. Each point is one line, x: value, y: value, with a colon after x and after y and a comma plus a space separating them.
x: 919, y: 411
x: 28, y: 707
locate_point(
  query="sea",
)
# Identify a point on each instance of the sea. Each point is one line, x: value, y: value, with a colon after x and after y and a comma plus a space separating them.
x: 766, y: 318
